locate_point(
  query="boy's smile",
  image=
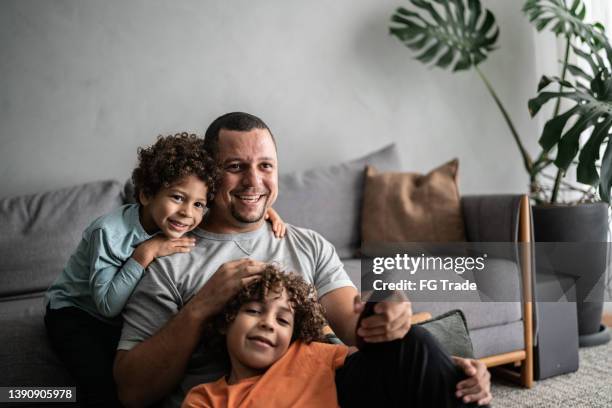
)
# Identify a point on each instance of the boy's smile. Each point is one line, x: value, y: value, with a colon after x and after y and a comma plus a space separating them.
x: 175, y: 210
x: 260, y: 335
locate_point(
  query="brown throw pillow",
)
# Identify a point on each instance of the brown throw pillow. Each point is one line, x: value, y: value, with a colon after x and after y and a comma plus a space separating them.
x: 411, y: 207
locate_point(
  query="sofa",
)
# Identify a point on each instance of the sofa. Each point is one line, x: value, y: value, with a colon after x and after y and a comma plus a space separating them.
x: 40, y: 231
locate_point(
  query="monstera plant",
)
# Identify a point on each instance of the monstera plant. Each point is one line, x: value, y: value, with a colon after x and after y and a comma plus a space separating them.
x: 460, y: 34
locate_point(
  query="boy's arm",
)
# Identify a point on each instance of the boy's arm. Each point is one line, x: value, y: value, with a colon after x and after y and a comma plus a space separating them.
x: 111, y: 280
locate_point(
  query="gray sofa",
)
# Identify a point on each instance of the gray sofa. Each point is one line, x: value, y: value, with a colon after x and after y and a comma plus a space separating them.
x: 40, y: 231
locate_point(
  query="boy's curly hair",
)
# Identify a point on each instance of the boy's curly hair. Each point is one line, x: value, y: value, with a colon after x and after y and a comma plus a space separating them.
x: 171, y: 159
x: 308, y: 320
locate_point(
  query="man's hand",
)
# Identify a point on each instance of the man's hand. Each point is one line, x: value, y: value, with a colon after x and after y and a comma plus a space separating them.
x: 391, y: 320
x: 161, y: 245
x: 154, y: 367
x: 477, y: 387
x: 225, y: 283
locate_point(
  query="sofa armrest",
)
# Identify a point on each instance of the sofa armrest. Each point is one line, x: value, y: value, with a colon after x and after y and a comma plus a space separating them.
x: 491, y: 218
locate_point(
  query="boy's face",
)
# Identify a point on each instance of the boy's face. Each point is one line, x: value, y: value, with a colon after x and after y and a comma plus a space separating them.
x: 177, y: 209
x: 260, y: 334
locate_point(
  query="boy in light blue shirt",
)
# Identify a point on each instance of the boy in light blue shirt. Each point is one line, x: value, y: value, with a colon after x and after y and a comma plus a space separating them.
x: 174, y: 181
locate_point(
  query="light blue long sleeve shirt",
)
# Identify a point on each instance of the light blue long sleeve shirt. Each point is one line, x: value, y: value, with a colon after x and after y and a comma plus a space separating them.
x: 101, y: 274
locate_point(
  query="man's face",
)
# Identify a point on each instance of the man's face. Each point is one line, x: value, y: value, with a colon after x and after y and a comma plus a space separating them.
x: 249, y: 182
x: 260, y: 334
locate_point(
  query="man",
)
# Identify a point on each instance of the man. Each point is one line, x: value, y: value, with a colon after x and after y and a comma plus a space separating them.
x: 160, y: 353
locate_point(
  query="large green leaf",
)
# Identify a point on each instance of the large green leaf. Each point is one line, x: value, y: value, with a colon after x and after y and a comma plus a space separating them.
x: 586, y: 172
x: 605, y: 178
x: 446, y: 31
x: 564, y: 17
x: 592, y: 110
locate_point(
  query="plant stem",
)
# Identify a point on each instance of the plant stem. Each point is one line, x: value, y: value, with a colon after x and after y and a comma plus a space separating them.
x: 527, y: 161
x: 555, y: 192
x: 553, y: 197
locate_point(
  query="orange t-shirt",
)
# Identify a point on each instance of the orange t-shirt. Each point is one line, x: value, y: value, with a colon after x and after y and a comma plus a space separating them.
x: 303, y: 377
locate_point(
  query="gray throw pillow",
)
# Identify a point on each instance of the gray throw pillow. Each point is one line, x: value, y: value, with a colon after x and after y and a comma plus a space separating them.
x: 328, y: 199
x: 451, y: 331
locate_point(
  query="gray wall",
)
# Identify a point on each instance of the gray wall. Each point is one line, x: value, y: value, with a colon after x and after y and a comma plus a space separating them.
x: 83, y: 83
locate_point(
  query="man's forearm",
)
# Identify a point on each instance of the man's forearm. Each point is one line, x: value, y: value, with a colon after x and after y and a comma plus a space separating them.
x: 339, y: 311
x: 152, y: 369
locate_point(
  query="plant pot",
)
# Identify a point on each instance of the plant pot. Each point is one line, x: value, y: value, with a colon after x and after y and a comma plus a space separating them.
x: 586, y: 227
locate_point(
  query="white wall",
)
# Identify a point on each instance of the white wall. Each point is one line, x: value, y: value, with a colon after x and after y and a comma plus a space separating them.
x: 83, y: 83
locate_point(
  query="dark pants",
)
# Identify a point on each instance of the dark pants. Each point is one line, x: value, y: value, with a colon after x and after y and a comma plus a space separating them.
x: 411, y: 372
x: 87, y: 347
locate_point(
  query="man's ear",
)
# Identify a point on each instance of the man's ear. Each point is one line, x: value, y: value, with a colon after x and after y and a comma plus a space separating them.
x: 143, y: 198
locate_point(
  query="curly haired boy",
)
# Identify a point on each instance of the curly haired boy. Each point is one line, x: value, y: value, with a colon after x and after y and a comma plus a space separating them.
x: 272, y: 331
x: 174, y: 181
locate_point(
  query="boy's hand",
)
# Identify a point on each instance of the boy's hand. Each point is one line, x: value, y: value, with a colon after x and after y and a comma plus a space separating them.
x: 477, y: 387
x: 160, y: 245
x: 278, y: 225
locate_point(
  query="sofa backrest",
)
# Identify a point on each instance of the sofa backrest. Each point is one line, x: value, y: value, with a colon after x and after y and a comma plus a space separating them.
x: 328, y: 199
x: 39, y: 232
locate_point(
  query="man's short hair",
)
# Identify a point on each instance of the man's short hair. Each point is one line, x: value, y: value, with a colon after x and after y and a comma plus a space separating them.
x: 237, y: 121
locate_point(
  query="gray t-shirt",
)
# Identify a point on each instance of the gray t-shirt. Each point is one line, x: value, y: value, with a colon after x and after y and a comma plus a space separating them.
x: 172, y: 280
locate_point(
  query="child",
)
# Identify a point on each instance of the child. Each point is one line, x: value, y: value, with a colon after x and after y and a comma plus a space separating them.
x: 270, y: 329
x: 174, y: 181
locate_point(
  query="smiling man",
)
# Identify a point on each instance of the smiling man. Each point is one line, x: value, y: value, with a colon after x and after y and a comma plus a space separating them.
x: 250, y: 179
x: 160, y: 354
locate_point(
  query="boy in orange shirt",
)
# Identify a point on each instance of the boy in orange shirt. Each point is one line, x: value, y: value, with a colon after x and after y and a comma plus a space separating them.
x: 272, y: 330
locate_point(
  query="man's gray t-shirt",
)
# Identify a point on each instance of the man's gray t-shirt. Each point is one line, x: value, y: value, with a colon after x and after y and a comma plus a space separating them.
x: 172, y: 280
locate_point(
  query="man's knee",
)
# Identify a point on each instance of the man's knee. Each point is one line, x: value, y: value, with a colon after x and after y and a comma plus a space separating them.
x: 420, y: 337
x: 422, y: 345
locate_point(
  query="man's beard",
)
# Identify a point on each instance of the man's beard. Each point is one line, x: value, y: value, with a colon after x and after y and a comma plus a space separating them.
x: 250, y: 219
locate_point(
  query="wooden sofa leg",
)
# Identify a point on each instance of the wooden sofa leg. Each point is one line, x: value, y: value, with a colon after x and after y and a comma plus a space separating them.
x: 525, y: 251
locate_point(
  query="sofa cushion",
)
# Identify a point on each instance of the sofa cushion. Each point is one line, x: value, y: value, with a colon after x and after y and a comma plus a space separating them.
x: 27, y: 358
x: 40, y: 232
x: 328, y: 199
x: 412, y: 207
x: 499, y: 339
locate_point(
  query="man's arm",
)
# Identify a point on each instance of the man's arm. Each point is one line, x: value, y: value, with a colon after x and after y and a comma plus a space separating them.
x: 343, y: 306
x: 153, y: 368
x: 340, y: 313
x: 342, y: 310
